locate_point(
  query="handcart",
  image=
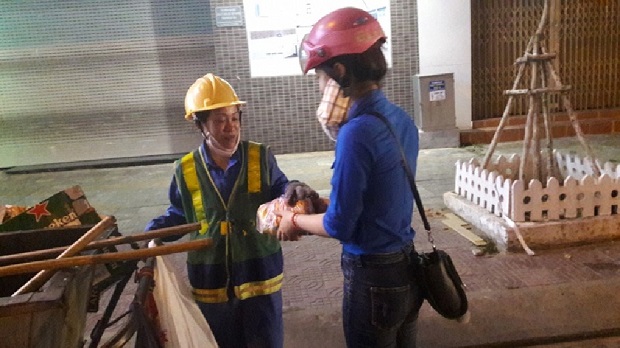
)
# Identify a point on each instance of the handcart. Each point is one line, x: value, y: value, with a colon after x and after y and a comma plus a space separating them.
x: 44, y: 300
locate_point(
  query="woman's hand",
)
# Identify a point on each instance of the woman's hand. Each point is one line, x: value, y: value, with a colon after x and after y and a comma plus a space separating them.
x: 287, y: 231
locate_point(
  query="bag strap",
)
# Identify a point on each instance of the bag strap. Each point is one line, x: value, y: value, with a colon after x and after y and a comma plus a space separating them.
x: 414, y: 187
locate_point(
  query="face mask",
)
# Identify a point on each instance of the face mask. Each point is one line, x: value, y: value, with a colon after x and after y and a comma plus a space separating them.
x: 332, y: 111
x: 217, y: 149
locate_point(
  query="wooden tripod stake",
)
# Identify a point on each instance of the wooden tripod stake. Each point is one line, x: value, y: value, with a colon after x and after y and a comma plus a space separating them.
x: 542, y: 70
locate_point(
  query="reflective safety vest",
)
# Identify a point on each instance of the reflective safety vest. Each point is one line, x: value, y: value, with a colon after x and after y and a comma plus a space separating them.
x: 241, y: 259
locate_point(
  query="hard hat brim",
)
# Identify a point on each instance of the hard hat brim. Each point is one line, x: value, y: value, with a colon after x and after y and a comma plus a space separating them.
x: 189, y: 115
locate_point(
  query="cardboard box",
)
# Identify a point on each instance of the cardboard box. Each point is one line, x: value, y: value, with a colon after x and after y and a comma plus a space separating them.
x: 71, y: 208
x: 66, y: 208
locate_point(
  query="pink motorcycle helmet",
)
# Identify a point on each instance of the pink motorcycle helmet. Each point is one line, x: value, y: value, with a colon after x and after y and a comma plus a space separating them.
x: 347, y: 30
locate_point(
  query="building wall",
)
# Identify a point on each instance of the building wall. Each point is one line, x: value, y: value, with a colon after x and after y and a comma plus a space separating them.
x: 444, y: 29
x: 66, y: 99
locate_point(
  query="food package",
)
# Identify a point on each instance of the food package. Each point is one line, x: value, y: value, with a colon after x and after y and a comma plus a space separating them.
x: 266, y: 219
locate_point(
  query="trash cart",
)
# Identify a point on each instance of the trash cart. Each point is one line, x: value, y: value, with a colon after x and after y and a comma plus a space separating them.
x: 54, y: 316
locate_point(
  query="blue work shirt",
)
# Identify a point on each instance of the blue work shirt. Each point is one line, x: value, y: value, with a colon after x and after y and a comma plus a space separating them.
x: 371, y: 203
x: 224, y: 181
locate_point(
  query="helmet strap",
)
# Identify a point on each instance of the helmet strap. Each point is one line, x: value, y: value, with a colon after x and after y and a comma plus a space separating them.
x: 216, y: 148
x: 343, y: 80
x: 345, y: 86
x: 213, y: 145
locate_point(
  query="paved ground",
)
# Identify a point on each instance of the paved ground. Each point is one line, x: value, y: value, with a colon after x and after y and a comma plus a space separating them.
x: 559, y: 298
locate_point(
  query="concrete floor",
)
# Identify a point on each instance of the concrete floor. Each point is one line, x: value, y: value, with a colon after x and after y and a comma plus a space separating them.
x: 560, y: 297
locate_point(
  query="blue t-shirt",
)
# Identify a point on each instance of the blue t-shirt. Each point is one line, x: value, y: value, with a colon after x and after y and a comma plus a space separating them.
x: 371, y: 203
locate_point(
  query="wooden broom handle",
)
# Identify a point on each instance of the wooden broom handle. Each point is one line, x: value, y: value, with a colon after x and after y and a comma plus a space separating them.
x: 98, y: 244
x: 68, y: 262
x: 36, y: 282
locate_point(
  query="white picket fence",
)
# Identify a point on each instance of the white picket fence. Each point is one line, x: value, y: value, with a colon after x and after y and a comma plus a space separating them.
x: 577, y: 194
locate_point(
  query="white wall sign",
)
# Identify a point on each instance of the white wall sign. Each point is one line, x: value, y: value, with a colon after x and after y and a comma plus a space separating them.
x: 437, y: 90
x: 228, y: 16
x: 275, y: 29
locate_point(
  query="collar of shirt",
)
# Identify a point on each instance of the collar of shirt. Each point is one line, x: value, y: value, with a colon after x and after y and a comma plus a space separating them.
x: 367, y: 103
x: 211, y: 163
x: 224, y: 180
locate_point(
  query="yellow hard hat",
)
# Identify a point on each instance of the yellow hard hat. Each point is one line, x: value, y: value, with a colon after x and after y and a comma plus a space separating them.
x: 207, y: 93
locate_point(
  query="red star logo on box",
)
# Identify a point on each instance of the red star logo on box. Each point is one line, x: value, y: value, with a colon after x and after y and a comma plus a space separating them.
x: 39, y: 211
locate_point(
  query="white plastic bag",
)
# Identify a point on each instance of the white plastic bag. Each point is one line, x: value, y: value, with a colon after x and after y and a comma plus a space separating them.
x: 179, y: 315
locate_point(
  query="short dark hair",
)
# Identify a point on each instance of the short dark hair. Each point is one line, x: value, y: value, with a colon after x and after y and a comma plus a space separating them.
x: 201, y: 116
x: 367, y: 66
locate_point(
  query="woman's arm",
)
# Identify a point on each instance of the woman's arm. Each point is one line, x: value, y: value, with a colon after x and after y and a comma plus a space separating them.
x: 279, y: 181
x: 291, y: 224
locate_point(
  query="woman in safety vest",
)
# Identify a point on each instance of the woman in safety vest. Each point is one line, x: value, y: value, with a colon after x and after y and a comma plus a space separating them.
x: 236, y: 282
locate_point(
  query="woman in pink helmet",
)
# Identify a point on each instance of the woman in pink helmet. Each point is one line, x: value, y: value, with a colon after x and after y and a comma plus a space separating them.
x: 371, y: 202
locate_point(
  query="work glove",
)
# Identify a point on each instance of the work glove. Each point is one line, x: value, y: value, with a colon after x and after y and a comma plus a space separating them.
x: 296, y: 191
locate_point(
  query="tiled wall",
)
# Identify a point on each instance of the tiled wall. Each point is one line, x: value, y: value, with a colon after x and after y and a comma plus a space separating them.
x: 113, y: 75
x: 281, y: 110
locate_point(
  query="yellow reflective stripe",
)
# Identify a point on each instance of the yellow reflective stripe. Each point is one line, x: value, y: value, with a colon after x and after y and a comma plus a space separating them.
x: 265, y: 287
x: 253, y: 168
x: 191, y: 180
x: 210, y: 295
x: 204, y: 226
x: 224, y: 228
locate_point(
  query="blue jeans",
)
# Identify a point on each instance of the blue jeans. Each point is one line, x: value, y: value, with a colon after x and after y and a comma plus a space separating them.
x: 252, y: 323
x: 381, y: 300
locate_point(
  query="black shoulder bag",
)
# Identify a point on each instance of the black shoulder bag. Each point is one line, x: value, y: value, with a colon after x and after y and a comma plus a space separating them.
x: 441, y: 284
